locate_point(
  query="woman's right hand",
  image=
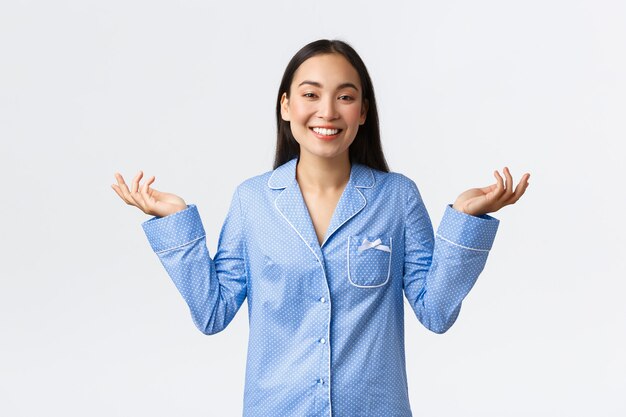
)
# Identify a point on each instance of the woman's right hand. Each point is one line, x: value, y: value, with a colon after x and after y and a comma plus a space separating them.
x: 146, y: 199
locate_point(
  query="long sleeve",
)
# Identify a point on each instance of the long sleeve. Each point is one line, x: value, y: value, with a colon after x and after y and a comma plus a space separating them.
x: 440, y: 270
x: 214, y: 289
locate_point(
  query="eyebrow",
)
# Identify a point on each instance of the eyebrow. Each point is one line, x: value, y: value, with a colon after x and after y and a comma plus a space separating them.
x: 316, y: 84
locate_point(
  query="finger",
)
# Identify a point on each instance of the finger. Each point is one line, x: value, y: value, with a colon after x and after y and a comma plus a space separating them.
x: 120, y: 181
x: 135, y: 185
x: 499, y: 185
x: 123, y: 187
x: 119, y: 178
x: 117, y: 190
x: 520, y: 189
x: 146, y: 186
x: 146, y: 192
x: 509, y: 182
x: 138, y: 200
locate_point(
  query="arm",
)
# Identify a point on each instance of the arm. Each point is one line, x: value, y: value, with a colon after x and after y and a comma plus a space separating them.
x: 214, y: 289
x: 440, y: 270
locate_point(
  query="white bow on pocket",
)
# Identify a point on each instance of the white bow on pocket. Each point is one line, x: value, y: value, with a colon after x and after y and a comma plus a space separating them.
x: 377, y: 244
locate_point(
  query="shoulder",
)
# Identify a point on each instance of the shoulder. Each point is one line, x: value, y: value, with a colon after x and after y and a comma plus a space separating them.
x: 275, y: 179
x: 396, y: 188
x: 251, y: 188
x: 394, y: 181
x: 257, y: 182
x: 252, y: 192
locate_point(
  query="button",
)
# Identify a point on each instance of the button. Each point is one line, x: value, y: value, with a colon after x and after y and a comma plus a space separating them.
x: 320, y: 381
x: 322, y: 300
x: 322, y: 340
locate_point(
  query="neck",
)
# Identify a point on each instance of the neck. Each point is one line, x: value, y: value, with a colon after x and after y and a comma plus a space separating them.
x: 323, y: 173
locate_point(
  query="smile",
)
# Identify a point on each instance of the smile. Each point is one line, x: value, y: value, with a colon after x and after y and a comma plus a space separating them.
x: 325, y: 132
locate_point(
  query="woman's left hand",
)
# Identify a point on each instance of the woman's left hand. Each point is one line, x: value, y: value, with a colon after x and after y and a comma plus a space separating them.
x: 479, y: 201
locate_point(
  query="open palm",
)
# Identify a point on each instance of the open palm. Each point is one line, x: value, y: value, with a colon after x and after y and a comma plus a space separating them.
x: 479, y: 201
x: 148, y: 200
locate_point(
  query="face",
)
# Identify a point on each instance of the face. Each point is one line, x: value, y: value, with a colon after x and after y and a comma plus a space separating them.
x: 325, y: 106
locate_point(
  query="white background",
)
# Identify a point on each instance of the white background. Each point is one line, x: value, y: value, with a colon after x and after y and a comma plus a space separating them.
x: 91, y: 325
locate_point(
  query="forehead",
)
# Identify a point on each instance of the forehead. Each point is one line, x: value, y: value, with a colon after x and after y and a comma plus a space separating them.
x: 330, y: 70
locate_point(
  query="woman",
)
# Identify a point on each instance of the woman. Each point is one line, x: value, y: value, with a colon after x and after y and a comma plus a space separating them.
x: 324, y: 247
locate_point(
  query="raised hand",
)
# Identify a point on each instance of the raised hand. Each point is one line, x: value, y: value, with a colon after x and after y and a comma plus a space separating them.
x: 479, y: 201
x: 146, y: 199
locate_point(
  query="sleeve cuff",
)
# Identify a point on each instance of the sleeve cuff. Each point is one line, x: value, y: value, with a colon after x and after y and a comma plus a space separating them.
x: 175, y: 230
x: 473, y: 232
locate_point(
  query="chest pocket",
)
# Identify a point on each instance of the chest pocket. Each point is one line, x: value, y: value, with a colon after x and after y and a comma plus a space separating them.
x: 369, y: 261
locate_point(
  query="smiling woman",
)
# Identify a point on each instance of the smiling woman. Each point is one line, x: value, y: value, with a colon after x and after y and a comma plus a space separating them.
x: 324, y: 107
x: 324, y: 247
x: 366, y: 147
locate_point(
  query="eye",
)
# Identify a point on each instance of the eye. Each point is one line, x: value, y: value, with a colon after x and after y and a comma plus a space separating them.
x: 346, y: 97
x: 308, y: 95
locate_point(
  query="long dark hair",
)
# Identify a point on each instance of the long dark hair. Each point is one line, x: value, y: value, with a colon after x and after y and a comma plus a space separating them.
x: 366, y: 148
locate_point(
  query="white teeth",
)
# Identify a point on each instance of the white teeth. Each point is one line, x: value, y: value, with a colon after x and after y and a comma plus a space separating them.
x: 325, y: 132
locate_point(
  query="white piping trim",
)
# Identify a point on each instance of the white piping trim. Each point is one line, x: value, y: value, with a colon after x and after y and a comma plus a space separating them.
x: 270, y: 179
x: 373, y: 179
x: 301, y: 237
x: 280, y: 187
x: 329, y: 301
x: 180, y: 246
x: 388, y: 268
x: 344, y: 222
x: 461, y: 246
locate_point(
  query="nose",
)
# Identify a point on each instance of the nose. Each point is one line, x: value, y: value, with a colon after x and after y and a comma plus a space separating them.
x: 328, y: 109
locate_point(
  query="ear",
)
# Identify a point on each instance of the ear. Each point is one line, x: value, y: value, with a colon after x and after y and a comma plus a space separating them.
x: 284, y: 107
x: 364, y: 108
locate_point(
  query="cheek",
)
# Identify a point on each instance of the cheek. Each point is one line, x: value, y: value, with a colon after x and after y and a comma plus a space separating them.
x: 300, y: 111
x: 353, y: 115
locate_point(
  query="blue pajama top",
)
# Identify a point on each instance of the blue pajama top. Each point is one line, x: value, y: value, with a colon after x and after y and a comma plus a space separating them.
x: 326, y: 321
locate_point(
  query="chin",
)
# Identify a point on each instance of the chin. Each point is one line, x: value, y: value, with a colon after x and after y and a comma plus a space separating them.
x: 329, y: 155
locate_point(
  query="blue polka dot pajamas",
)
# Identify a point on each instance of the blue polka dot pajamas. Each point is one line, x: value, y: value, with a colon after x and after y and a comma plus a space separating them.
x: 326, y: 321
